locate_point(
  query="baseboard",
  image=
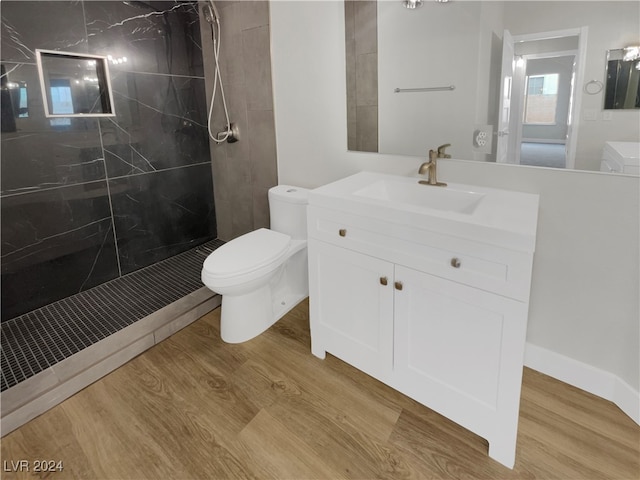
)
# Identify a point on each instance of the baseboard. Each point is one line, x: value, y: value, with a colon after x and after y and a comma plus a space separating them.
x: 625, y: 397
x: 586, y: 377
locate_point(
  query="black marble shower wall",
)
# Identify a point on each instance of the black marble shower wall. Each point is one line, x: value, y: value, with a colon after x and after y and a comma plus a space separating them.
x: 87, y: 200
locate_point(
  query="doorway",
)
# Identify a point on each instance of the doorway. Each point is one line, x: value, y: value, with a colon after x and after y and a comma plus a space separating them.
x: 546, y: 98
x: 545, y: 69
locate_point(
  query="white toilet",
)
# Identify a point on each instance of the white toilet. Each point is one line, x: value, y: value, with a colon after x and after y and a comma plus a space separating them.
x: 263, y: 274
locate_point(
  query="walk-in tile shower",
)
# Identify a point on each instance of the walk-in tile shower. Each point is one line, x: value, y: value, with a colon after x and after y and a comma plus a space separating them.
x: 87, y: 200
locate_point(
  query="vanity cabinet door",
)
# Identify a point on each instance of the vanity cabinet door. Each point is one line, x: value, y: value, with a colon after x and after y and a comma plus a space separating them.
x: 351, y: 307
x: 459, y: 350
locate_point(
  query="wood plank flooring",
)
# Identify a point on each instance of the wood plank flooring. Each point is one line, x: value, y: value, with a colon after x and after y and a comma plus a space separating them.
x: 193, y: 407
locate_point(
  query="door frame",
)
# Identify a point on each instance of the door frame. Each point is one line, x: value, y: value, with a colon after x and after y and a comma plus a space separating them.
x: 575, y: 102
x: 520, y: 76
x: 505, y: 118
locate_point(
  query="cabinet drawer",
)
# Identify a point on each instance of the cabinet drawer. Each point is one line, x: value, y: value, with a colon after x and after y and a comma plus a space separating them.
x: 490, y: 268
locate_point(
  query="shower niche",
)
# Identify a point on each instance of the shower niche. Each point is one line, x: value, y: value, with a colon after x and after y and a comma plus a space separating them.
x: 74, y: 85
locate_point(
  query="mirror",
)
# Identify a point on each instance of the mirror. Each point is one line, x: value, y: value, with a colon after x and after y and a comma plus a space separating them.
x: 420, y: 78
x: 74, y: 84
x: 622, y: 88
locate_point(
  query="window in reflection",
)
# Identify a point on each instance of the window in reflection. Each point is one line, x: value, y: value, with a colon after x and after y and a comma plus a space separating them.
x: 541, y: 99
x: 23, y: 109
x: 61, y: 101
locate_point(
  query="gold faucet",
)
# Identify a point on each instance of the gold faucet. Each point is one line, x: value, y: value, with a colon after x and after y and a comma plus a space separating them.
x: 441, y: 153
x: 429, y: 167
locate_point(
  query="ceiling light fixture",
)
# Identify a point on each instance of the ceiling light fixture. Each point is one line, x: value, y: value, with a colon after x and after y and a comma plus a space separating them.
x: 412, y: 4
x: 631, y: 53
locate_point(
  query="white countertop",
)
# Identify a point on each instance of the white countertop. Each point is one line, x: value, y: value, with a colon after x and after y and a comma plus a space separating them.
x: 502, y: 217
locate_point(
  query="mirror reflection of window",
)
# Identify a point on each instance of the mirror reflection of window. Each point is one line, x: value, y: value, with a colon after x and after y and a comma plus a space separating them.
x: 23, y: 106
x: 61, y: 101
x: 541, y: 99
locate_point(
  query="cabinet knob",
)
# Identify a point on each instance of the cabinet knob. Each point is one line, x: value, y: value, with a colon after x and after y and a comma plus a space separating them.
x: 342, y: 232
x: 455, y: 262
x: 398, y: 285
x: 383, y: 280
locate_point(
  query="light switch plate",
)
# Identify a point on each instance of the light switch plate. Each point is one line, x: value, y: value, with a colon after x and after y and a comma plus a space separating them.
x: 590, y: 115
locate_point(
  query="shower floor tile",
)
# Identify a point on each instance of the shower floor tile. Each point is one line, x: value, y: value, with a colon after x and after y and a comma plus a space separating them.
x: 37, y: 340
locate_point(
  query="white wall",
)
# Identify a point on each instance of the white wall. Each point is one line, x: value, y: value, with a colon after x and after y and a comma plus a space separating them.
x: 584, y: 299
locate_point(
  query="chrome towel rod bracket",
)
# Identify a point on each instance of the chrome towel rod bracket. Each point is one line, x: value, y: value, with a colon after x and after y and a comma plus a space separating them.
x: 426, y: 89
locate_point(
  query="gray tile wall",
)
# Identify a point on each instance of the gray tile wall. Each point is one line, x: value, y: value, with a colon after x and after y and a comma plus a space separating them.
x: 98, y: 198
x: 245, y: 170
x: 361, y: 35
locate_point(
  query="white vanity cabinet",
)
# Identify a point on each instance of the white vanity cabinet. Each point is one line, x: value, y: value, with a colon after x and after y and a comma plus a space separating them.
x: 439, y: 317
x: 459, y: 350
x: 353, y: 298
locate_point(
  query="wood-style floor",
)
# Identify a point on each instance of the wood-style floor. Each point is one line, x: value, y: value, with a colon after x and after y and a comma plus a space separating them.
x: 194, y: 407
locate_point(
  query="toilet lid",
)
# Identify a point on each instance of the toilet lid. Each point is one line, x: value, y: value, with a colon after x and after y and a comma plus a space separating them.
x: 247, y: 253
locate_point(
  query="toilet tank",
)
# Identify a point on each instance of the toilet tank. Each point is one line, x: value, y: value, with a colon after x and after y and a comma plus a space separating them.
x: 288, y: 210
x: 621, y: 157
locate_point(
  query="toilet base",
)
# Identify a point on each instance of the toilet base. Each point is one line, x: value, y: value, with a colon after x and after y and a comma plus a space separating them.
x: 258, y: 317
x: 246, y: 316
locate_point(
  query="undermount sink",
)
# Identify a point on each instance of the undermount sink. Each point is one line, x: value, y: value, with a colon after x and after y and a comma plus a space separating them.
x: 428, y: 196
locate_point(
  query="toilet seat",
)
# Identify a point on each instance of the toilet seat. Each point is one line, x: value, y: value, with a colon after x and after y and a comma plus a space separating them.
x: 246, y: 257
